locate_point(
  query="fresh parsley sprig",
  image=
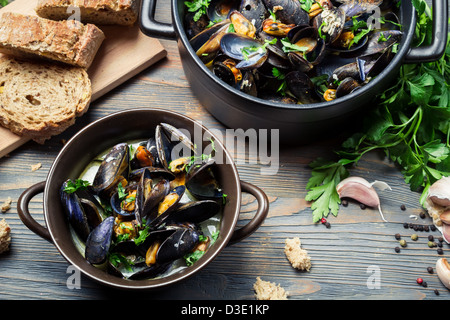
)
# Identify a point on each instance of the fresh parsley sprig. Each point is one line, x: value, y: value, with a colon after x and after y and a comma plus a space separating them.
x: 200, y: 7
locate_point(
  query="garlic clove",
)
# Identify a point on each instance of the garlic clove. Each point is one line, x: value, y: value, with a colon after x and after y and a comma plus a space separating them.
x: 361, y: 190
x: 445, y: 216
x: 439, y: 192
x: 443, y: 271
x: 445, y: 230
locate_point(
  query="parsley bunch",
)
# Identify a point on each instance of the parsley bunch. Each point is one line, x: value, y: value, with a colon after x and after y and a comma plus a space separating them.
x: 411, y: 125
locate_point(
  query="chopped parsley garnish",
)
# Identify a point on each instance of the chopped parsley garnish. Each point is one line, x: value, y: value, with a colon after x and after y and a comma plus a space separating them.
x: 73, y: 186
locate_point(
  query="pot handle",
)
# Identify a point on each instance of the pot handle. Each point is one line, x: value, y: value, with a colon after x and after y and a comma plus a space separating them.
x: 24, y: 213
x: 260, y: 215
x: 437, y: 47
x: 149, y: 26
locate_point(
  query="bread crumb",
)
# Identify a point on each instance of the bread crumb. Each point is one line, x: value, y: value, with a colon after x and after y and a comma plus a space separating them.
x: 6, y: 205
x: 36, y: 166
x: 297, y: 256
x: 266, y: 290
x: 5, y: 238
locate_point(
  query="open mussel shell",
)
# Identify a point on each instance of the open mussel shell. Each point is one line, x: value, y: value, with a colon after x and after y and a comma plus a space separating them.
x: 225, y: 69
x: 204, y: 186
x: 241, y: 24
x: 219, y: 10
x: 160, y: 213
x: 113, y: 168
x: 292, y: 12
x: 99, y: 242
x: 147, y: 201
x: 207, y: 43
x: 331, y: 23
x: 117, y: 203
x: 172, y: 144
x: 248, y: 51
x: 195, y: 211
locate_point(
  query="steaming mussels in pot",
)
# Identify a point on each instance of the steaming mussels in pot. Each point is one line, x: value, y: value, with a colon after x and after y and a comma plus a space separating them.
x: 145, y: 209
x: 296, y: 51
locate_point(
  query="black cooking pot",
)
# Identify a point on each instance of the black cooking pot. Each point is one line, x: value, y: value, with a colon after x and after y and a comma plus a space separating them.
x: 297, y: 123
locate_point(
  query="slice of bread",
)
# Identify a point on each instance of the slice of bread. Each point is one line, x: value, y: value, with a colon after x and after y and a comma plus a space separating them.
x: 40, y: 100
x: 68, y: 41
x: 101, y: 12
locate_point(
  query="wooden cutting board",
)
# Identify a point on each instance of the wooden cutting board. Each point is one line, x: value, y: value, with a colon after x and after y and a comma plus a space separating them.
x: 124, y: 53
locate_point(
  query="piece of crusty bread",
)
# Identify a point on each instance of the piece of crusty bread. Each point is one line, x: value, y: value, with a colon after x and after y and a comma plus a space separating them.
x: 39, y: 99
x: 5, y: 237
x: 68, y: 41
x: 101, y: 12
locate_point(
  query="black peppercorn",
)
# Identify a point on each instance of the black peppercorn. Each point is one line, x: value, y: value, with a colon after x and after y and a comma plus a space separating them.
x: 430, y: 237
x: 362, y: 206
x: 397, y: 249
x: 397, y: 236
x: 422, y: 215
x: 432, y: 227
x: 426, y: 228
x: 436, y: 292
x: 328, y: 225
x: 430, y: 270
x: 344, y: 202
x: 411, y: 225
x: 406, y: 225
x: 424, y: 284
x: 440, y: 251
x: 403, y: 207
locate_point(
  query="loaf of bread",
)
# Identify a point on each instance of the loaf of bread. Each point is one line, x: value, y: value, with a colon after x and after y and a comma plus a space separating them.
x: 266, y: 290
x: 39, y: 99
x: 68, y: 41
x: 120, y: 12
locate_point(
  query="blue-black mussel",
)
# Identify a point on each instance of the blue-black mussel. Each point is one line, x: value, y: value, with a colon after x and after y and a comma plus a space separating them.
x: 145, y: 208
x: 261, y: 46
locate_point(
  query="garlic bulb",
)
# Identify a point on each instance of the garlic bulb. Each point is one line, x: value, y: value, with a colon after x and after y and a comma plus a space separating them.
x: 361, y: 190
x: 438, y: 205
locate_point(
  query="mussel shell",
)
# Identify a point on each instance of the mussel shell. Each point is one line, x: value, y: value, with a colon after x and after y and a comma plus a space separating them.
x: 219, y: 10
x: 241, y: 24
x: 116, y: 202
x: 374, y: 45
x: 248, y: 84
x: 299, y: 63
x: 292, y: 12
x: 301, y: 86
x: 99, y: 242
x: 234, y: 46
x: 356, y: 7
x: 157, y: 194
x: 204, y: 186
x: 336, y: 24
x: 348, y: 85
x: 75, y: 212
x: 182, y: 241
x: 195, y: 211
x: 207, y: 43
x: 254, y: 11
x: 114, y: 166
x: 150, y: 271
x: 156, y: 218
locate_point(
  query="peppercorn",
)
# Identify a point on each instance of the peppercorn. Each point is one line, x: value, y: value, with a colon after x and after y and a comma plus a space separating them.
x: 436, y: 292
x: 323, y: 220
x: 422, y: 215
x: 430, y: 237
x: 403, y: 207
x: 328, y: 225
x: 420, y: 228
x: 441, y: 239
x: 397, y: 236
x: 419, y: 280
x: 416, y: 228
x: 414, y: 237
x: 440, y: 251
x: 424, y: 284
x: 403, y: 243
x: 345, y: 202
x: 430, y: 270
x: 426, y: 228
x: 397, y: 249
x: 362, y: 206
x: 431, y: 244
x: 406, y: 225
x: 432, y: 227
x: 411, y: 225
x: 439, y: 244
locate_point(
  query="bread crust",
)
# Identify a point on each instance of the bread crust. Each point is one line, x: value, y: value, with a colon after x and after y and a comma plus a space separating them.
x: 39, y: 100
x: 99, y: 12
x: 67, y: 41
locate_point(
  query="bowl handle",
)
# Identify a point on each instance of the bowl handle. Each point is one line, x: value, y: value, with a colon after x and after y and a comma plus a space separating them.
x: 260, y: 215
x: 149, y: 26
x: 24, y: 213
x: 437, y: 47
